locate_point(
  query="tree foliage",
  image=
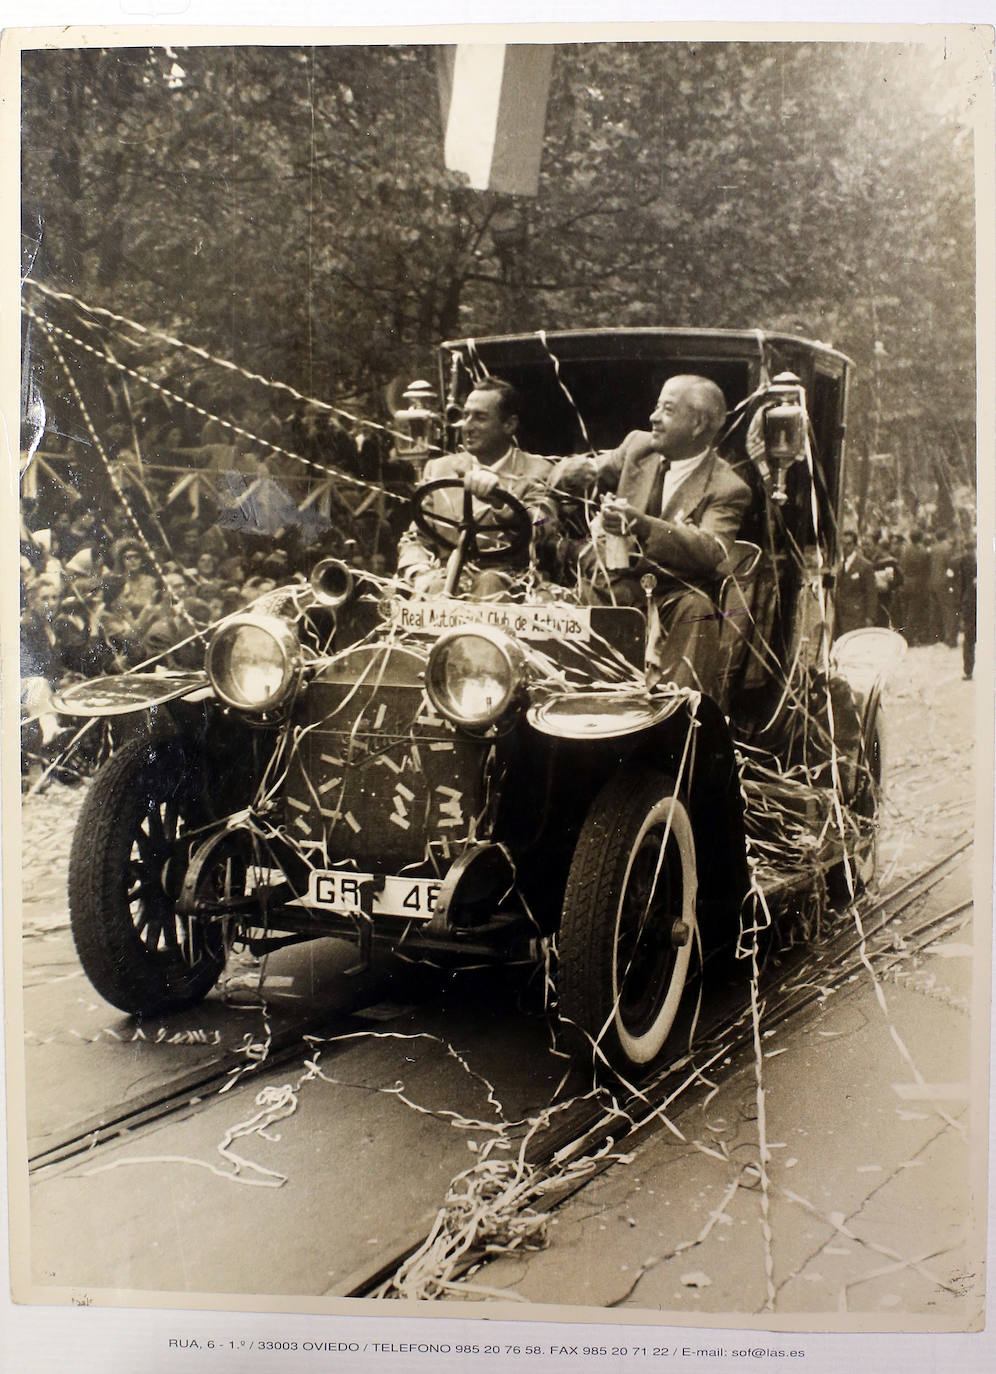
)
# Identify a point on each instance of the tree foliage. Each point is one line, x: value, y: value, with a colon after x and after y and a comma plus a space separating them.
x: 287, y: 208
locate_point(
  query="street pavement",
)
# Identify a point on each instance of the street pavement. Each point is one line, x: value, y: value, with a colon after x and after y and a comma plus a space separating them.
x: 873, y: 1200
x: 863, y: 1209
x: 868, y: 1186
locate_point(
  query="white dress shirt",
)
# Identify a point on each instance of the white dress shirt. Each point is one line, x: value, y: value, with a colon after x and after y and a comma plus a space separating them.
x: 679, y: 471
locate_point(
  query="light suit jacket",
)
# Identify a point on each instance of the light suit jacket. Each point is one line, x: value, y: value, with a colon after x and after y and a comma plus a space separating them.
x: 697, y: 528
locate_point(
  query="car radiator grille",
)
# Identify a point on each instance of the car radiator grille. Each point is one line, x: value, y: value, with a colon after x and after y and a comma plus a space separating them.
x: 378, y: 776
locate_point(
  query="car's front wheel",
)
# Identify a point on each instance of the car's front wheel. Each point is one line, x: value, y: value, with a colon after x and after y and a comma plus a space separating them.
x: 129, y: 855
x: 628, y: 923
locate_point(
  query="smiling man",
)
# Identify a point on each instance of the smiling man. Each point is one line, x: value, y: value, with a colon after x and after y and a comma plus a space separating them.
x: 679, y: 506
x: 490, y: 459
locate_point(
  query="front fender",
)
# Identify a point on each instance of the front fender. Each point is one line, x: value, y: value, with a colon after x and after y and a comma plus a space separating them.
x: 864, y: 659
x: 700, y: 735
x: 602, y: 715
x: 122, y: 693
x: 591, y: 735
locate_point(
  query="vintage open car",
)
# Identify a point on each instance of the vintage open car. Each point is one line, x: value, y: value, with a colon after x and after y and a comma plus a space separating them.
x: 494, y: 779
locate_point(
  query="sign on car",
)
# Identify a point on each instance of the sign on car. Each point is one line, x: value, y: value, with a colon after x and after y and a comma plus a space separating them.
x: 528, y: 622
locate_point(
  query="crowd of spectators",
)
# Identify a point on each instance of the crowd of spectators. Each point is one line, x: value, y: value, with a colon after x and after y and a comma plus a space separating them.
x: 287, y: 443
x: 105, y: 588
x: 216, y: 518
x: 919, y: 582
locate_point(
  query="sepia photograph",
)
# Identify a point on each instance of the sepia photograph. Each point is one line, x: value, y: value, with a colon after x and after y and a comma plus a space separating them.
x: 503, y: 772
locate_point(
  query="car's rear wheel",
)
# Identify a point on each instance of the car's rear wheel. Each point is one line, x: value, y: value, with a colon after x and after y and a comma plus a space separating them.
x: 865, y: 771
x: 628, y: 923
x: 129, y: 855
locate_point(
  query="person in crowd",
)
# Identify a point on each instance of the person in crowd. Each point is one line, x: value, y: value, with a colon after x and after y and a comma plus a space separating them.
x: 489, y: 460
x: 943, y: 593
x: 40, y: 654
x: 92, y: 544
x: 115, y: 628
x: 276, y: 565
x: 231, y: 601
x: 274, y: 423
x: 138, y: 587
x: 856, y: 600
x: 341, y: 450
x: 897, y: 608
x: 231, y: 571
x: 214, y: 432
x: 29, y: 580
x: 62, y: 544
x: 48, y: 543
x: 35, y: 548
x: 966, y: 575
x: 70, y: 531
x: 165, y: 628
x: 193, y: 539
x: 204, y: 576
x: 309, y: 434
x: 376, y: 460
x: 255, y: 587
x: 42, y: 663
x: 915, y: 567
x: 679, y: 506
x: 888, y: 582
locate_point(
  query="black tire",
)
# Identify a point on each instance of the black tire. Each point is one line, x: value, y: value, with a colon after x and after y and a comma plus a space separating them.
x: 621, y: 976
x: 846, y: 882
x: 129, y: 854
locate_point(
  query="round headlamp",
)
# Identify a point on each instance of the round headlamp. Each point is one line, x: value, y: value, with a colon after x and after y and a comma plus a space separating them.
x: 252, y: 661
x: 472, y: 674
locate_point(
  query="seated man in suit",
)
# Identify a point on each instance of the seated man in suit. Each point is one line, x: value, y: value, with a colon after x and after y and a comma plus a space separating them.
x: 679, y: 506
x: 490, y: 459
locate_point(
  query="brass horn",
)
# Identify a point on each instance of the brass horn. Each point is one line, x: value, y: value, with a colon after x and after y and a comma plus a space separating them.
x: 332, y: 582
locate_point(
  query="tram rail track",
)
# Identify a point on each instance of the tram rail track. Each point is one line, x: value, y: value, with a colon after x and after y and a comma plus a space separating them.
x: 590, y: 1127
x: 188, y: 1090
x: 580, y: 1130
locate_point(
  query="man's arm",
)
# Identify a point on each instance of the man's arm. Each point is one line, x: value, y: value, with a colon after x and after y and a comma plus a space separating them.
x: 529, y: 483
x: 415, y: 553
x: 533, y: 490
x: 575, y: 475
x: 698, y: 549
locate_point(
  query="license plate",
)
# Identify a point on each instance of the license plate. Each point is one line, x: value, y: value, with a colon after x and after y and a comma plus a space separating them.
x: 341, y: 892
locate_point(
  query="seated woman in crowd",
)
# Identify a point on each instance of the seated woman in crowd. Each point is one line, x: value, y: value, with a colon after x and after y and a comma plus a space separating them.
x: 42, y: 665
x: 137, y: 586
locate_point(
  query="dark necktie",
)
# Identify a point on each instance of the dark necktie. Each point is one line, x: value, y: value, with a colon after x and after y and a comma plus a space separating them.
x: 656, y: 498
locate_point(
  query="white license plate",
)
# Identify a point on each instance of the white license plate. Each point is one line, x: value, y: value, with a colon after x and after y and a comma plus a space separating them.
x: 340, y: 892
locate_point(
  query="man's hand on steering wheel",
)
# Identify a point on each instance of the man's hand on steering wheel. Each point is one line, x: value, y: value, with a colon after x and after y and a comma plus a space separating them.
x: 505, y: 527
x: 482, y: 483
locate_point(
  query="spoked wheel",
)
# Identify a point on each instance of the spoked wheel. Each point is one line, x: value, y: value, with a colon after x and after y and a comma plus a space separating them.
x: 129, y: 856
x: 629, y: 922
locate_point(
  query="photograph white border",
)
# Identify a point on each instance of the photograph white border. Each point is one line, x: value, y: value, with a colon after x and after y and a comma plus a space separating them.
x: 108, y: 1338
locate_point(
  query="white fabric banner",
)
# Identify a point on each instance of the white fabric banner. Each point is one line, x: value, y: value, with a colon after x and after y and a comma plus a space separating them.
x: 494, y: 99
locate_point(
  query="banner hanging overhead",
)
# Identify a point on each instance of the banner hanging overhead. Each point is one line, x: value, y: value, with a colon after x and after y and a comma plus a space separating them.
x: 493, y: 99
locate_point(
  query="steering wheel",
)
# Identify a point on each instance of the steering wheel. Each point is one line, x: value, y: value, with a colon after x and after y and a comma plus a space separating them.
x: 512, y: 531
